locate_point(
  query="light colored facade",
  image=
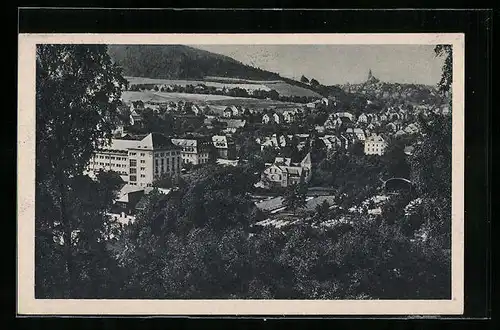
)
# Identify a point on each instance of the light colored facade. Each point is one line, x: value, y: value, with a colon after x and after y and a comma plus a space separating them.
x: 288, y: 116
x: 227, y: 113
x: 283, y: 173
x: 138, y: 161
x: 224, y: 147
x: 194, y: 150
x: 265, y: 119
x: 375, y: 145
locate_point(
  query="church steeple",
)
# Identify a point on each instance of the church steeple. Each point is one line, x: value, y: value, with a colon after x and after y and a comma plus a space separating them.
x: 371, y: 77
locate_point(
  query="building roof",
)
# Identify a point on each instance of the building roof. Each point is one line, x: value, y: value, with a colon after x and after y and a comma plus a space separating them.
x: 234, y: 123
x: 375, y: 138
x: 185, y: 142
x: 155, y: 141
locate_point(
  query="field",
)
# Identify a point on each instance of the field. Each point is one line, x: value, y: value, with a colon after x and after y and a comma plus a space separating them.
x: 216, y: 101
x: 283, y: 88
x: 148, y: 81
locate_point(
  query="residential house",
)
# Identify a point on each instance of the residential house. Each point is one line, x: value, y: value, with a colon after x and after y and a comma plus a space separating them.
x: 227, y: 113
x: 224, y: 147
x: 273, y: 141
x: 375, y: 145
x: 283, y: 173
x: 266, y: 118
x: 135, y: 118
x: 233, y: 124
x: 289, y: 116
x: 196, y: 109
x: 362, y: 119
x: 355, y: 134
x: 277, y: 118
x: 332, y: 142
x: 344, y: 115
x: 332, y: 123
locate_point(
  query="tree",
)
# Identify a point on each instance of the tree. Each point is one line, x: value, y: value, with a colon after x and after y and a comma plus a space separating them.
x: 314, y: 83
x: 295, y: 195
x: 304, y: 80
x: 322, y: 211
x: 444, y: 84
x: 78, y: 90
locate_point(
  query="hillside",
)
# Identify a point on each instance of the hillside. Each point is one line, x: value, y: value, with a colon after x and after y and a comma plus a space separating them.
x: 181, y: 62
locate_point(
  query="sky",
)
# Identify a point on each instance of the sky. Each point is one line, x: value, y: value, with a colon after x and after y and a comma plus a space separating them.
x: 340, y: 64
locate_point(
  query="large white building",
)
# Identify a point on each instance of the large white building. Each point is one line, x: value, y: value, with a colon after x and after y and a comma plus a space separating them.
x: 139, y: 161
x: 375, y: 145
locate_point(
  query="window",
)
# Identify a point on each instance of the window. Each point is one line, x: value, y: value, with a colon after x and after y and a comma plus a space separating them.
x: 133, y: 162
x: 107, y: 157
x: 143, y: 161
x: 133, y: 178
x: 133, y: 170
x: 143, y: 176
x: 112, y: 157
x: 143, y: 168
x: 161, y: 154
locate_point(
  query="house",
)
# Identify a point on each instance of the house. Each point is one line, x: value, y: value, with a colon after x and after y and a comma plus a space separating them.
x: 224, y: 146
x: 356, y: 134
x: 234, y: 123
x: 266, y: 118
x: 273, y: 141
x: 127, y: 198
x: 283, y: 173
x: 235, y: 111
x: 135, y: 118
x: 196, y: 150
x: 412, y: 129
x: 288, y: 116
x: 227, y: 162
x: 331, y: 142
x: 375, y: 145
x: 277, y: 117
x: 344, y: 115
x: 196, y: 109
x: 345, y: 141
x: 311, y: 105
x: 363, y: 119
x: 227, y: 113
x: 139, y: 160
x: 332, y: 123
x: 391, y: 127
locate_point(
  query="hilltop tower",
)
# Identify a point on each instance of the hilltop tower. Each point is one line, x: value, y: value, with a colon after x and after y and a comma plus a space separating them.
x: 370, y: 75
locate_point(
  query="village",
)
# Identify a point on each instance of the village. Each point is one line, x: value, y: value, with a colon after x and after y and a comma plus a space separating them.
x: 291, y: 142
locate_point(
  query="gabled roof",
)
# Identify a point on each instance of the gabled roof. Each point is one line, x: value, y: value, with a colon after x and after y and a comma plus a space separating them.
x: 156, y: 141
x: 185, y: 142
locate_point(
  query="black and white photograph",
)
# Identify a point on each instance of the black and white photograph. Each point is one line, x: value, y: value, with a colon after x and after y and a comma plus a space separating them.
x: 224, y: 169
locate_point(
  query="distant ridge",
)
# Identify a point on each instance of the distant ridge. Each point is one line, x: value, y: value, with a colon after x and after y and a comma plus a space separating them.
x: 181, y: 62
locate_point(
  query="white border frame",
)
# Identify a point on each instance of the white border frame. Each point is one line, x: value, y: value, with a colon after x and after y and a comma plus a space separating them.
x: 28, y: 305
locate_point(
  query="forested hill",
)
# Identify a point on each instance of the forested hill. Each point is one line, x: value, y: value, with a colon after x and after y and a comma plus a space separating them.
x: 181, y: 62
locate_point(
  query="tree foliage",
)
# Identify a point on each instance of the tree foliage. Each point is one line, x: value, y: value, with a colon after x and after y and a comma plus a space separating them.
x: 78, y: 91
